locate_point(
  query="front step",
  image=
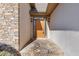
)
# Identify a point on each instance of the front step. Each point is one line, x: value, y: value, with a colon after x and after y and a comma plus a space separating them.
x: 42, y: 47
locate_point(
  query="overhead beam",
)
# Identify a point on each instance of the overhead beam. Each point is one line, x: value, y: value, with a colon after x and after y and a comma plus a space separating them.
x: 50, y: 8
x: 38, y: 14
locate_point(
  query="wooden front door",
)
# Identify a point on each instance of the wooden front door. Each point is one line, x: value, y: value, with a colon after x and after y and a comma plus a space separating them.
x: 39, y: 29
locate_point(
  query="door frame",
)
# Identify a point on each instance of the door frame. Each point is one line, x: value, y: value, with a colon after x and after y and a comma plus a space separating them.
x: 34, y: 25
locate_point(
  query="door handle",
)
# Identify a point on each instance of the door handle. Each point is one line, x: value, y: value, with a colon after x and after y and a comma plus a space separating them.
x: 43, y: 32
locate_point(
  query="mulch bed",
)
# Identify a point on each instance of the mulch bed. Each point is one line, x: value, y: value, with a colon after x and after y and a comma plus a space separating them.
x: 7, y: 50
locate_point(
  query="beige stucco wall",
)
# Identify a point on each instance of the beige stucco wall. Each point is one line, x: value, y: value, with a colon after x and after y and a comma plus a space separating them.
x: 31, y: 29
x: 9, y: 24
x: 25, y: 24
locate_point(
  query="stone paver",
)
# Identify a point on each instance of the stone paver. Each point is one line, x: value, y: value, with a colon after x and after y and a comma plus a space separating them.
x: 42, y: 47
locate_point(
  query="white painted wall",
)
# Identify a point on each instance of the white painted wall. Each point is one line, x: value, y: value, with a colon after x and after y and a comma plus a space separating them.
x: 68, y: 41
x: 65, y: 19
x: 47, y: 30
x: 25, y: 24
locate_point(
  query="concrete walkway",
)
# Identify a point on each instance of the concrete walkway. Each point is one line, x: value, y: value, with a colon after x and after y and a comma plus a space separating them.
x: 42, y: 47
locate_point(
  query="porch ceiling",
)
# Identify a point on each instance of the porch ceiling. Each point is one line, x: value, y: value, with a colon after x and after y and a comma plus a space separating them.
x: 42, y: 9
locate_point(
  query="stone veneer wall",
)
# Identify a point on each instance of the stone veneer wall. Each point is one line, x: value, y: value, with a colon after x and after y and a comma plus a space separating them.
x: 9, y: 24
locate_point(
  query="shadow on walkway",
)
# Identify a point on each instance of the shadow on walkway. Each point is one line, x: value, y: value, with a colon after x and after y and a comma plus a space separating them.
x: 30, y: 41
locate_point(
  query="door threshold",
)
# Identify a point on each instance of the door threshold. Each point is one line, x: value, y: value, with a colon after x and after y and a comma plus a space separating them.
x: 41, y: 38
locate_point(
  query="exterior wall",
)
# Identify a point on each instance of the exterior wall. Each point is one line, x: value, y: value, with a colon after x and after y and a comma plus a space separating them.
x: 25, y: 24
x: 66, y: 17
x: 47, y: 30
x: 31, y: 29
x: 9, y: 24
x: 68, y: 41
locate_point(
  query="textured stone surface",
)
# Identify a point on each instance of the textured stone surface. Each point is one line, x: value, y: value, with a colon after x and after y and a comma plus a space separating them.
x: 9, y: 24
x: 42, y: 48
